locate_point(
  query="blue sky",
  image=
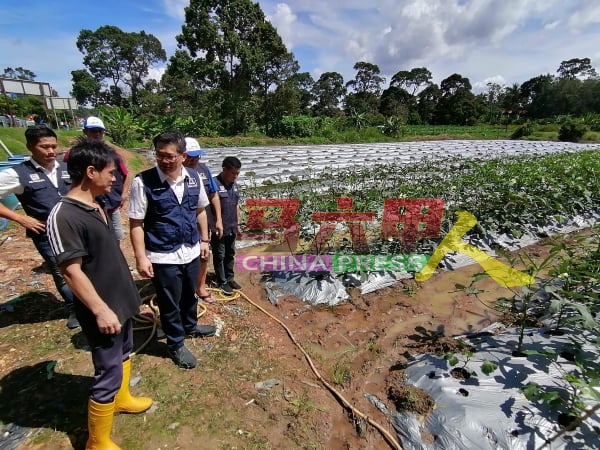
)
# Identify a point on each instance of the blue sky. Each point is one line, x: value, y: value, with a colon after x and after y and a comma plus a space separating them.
x: 504, y: 41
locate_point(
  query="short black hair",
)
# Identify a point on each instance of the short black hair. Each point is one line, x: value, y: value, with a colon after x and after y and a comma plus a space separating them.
x: 36, y: 132
x: 231, y: 162
x: 169, y: 137
x: 89, y: 152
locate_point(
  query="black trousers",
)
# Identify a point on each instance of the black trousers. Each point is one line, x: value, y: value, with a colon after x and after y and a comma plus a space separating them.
x: 223, y: 257
x: 43, y: 247
x: 108, y: 353
x: 175, y: 286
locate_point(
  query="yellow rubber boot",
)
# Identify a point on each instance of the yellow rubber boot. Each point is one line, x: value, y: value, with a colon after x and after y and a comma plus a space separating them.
x: 124, y: 401
x: 100, y: 420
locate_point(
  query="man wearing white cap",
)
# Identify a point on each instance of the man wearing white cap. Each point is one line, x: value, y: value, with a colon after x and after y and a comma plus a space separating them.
x: 193, y: 152
x: 94, y: 128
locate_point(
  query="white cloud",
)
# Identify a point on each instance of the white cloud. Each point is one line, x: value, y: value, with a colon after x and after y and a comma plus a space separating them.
x: 284, y: 20
x: 480, y: 39
x: 585, y: 16
x: 175, y: 8
x: 156, y: 73
x: 481, y: 86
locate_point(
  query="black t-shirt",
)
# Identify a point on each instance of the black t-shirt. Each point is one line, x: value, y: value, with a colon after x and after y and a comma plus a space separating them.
x: 78, y: 230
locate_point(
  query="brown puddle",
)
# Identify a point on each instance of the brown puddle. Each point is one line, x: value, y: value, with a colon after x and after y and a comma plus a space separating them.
x: 392, y: 317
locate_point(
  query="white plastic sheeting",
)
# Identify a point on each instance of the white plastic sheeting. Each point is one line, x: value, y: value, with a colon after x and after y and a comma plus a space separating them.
x: 272, y: 165
x: 312, y: 288
x: 489, y: 411
x: 323, y: 288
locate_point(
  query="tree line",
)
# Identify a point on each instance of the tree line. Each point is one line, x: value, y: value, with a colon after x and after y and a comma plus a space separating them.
x: 232, y: 74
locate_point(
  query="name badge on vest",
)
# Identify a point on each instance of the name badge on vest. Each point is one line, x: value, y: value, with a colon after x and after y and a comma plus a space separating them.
x: 222, y: 189
x: 35, y: 178
x: 64, y: 175
x: 192, y: 182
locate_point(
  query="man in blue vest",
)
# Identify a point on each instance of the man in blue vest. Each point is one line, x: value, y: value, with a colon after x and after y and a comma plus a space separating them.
x: 223, y: 247
x: 39, y: 184
x: 213, y: 214
x: 169, y: 234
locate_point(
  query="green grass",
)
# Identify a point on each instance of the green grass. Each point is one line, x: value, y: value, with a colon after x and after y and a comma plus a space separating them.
x: 365, y: 135
x: 14, y: 139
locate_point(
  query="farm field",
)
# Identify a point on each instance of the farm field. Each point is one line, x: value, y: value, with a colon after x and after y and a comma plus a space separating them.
x: 369, y: 372
x: 273, y: 165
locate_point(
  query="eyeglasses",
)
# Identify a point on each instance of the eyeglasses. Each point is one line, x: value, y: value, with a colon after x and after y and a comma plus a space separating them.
x: 164, y: 157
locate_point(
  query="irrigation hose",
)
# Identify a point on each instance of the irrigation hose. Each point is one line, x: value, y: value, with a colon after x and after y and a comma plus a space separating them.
x: 388, y: 437
x: 151, y: 322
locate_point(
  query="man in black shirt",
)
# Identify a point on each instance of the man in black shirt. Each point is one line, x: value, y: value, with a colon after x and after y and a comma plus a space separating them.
x: 106, y: 298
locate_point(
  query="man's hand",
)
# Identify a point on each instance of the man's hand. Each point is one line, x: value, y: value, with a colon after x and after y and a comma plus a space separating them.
x: 32, y: 224
x: 204, y: 250
x: 144, y: 267
x: 108, y: 322
x: 219, y: 228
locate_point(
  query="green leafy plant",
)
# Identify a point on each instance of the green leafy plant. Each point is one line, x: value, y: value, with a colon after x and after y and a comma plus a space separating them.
x: 392, y: 126
x: 121, y: 125
x: 463, y: 358
x: 572, y: 131
x: 340, y: 373
x: 523, y: 130
x: 582, y: 382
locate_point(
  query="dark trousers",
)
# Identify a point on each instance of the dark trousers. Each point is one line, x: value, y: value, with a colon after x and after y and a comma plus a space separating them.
x: 175, y: 286
x: 223, y: 257
x: 108, y: 353
x: 43, y: 247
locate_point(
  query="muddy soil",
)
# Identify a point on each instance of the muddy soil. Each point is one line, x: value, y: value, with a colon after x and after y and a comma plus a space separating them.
x: 357, y: 347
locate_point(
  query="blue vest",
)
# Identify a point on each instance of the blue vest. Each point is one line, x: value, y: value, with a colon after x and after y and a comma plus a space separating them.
x: 168, y: 225
x: 229, y: 197
x: 113, y: 199
x: 205, y: 176
x: 40, y: 195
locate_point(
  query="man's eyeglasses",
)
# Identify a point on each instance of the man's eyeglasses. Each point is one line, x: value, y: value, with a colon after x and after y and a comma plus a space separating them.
x: 164, y: 157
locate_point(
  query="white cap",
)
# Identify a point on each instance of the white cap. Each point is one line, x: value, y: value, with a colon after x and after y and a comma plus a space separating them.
x: 93, y: 122
x: 192, y: 147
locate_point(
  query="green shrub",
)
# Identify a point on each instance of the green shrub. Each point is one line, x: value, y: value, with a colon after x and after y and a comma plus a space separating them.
x: 547, y: 128
x: 592, y: 120
x: 392, y: 126
x: 524, y: 130
x: 295, y: 127
x: 414, y: 118
x: 571, y: 131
